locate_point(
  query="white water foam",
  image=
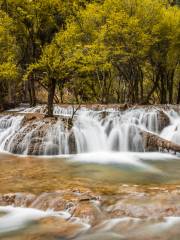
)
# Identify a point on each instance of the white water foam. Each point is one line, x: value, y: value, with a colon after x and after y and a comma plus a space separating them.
x: 18, y: 218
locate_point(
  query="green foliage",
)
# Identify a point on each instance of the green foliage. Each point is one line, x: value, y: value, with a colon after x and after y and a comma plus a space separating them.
x: 8, y: 49
x: 107, y: 51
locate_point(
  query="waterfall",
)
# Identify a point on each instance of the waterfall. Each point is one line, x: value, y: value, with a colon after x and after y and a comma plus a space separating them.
x: 104, y: 129
x: 9, y: 126
x: 56, y: 140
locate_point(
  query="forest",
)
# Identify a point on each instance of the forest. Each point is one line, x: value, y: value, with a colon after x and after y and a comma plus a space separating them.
x: 83, y: 51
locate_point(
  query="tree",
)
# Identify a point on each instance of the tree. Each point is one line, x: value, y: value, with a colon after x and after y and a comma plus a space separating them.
x: 164, y: 53
x: 9, y: 70
x: 36, y: 23
x: 98, y: 51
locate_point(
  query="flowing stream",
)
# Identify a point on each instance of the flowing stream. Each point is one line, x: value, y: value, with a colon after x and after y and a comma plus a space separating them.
x: 89, y: 151
x: 107, y: 130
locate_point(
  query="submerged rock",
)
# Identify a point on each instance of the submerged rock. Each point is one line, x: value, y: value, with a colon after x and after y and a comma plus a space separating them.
x: 57, y: 228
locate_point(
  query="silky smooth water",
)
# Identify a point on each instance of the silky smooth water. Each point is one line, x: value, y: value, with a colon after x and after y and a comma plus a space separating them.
x: 92, y: 131
x: 110, y: 161
x: 121, y: 171
x: 37, y: 174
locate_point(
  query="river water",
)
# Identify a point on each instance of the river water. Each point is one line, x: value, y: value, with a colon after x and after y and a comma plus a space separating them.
x: 138, y: 193
x: 158, y: 174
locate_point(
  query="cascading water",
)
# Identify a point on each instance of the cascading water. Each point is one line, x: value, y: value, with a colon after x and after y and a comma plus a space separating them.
x: 9, y: 125
x: 91, y: 130
x: 172, y: 132
x: 114, y: 132
x: 56, y: 140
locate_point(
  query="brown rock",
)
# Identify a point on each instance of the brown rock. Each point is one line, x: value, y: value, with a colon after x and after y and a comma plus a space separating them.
x: 163, y: 120
x: 17, y: 199
x: 52, y: 228
x: 62, y: 200
x: 89, y: 211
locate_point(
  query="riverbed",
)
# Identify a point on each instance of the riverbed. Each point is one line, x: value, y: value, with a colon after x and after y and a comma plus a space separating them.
x: 115, y: 196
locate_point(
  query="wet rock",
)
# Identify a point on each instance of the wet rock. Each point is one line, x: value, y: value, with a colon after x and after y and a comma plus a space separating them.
x: 80, y: 206
x: 54, y: 201
x: 36, y: 140
x: 104, y: 114
x: 84, y: 204
x: 36, y: 149
x: 155, y: 204
x: 163, y: 120
x: 89, y: 211
x: 17, y: 199
x: 32, y: 116
x: 30, y: 139
x: 33, y: 139
x: 62, y: 200
x: 59, y: 201
x: 54, y: 227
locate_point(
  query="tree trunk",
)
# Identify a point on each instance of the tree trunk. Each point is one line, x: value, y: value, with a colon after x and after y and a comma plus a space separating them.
x: 153, y: 142
x: 10, y: 92
x: 178, y: 95
x: 61, y: 92
x: 56, y: 99
x: 170, y: 92
x: 51, y: 93
x: 141, y: 90
x: 32, y: 93
x: 24, y: 91
x: 136, y: 91
x: 163, y: 91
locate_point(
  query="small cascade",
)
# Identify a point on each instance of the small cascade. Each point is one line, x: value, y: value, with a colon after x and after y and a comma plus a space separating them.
x: 9, y: 126
x: 111, y: 133
x: 56, y: 140
x: 172, y: 132
x: 90, y: 130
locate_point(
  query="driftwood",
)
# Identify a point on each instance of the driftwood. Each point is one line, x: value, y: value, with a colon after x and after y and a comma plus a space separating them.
x: 153, y: 142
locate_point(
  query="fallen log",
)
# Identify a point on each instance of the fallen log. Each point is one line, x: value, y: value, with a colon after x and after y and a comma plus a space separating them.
x: 153, y: 142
